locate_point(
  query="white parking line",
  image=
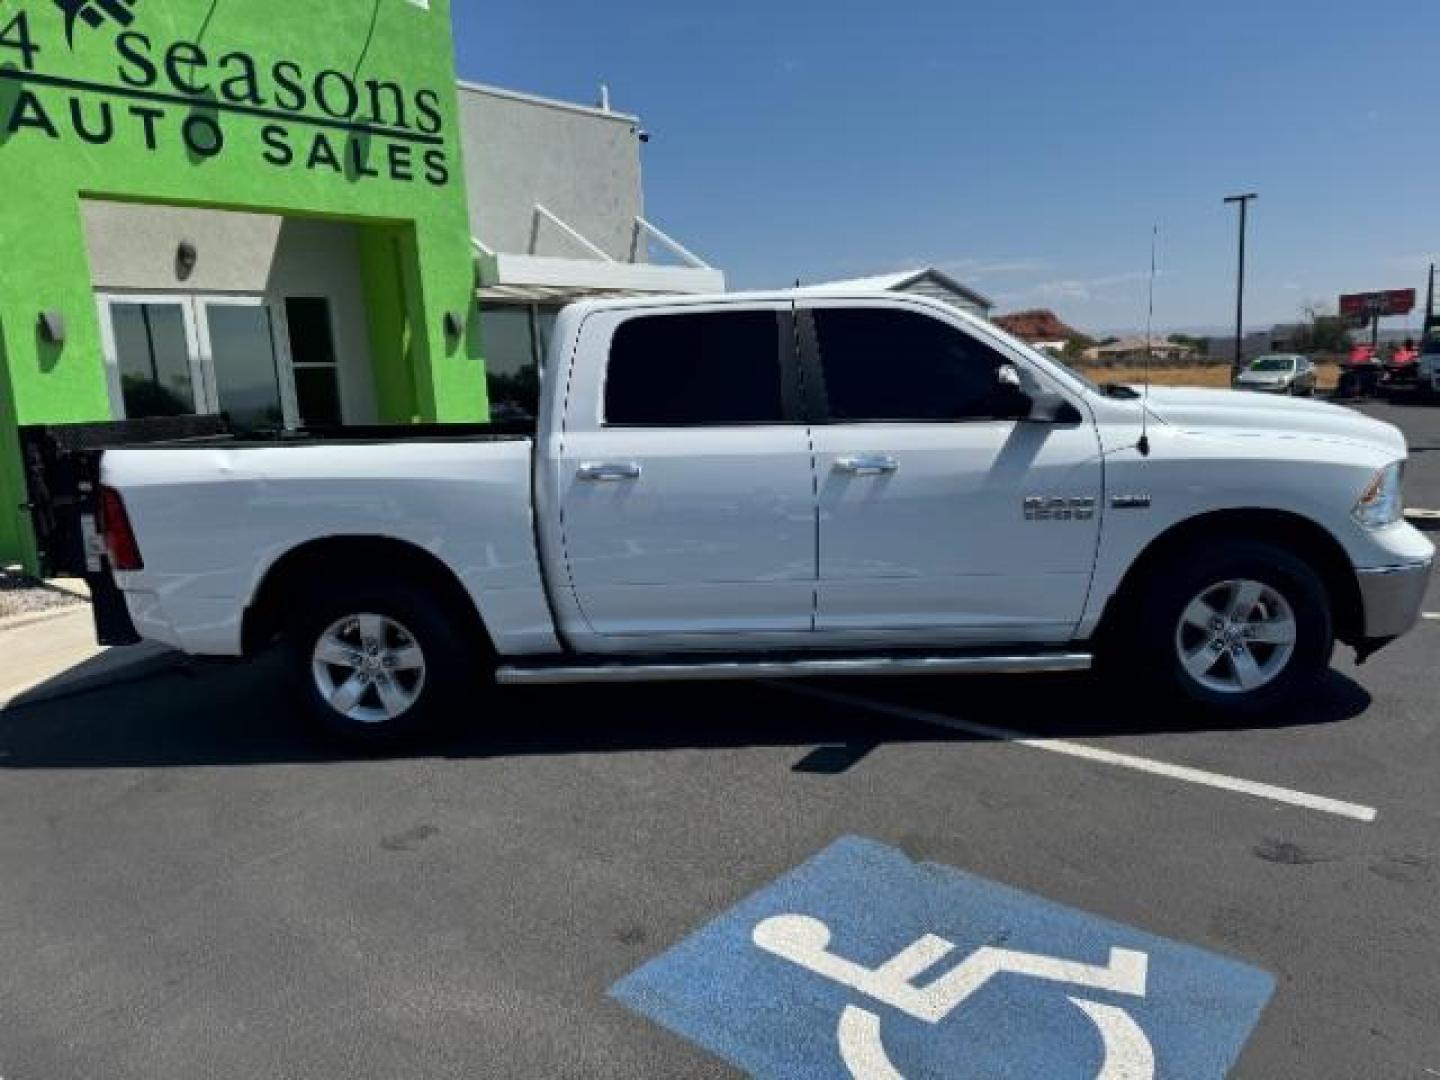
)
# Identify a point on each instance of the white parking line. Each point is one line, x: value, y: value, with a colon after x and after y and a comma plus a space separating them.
x: 1433, y: 616
x: 1423, y: 515
x: 1091, y: 753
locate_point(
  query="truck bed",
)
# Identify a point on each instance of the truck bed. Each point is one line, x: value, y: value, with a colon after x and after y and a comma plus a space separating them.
x: 62, y: 466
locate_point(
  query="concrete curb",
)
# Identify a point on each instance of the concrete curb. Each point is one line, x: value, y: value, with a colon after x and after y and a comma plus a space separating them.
x: 54, y: 660
x: 118, y: 668
x: 15, y: 622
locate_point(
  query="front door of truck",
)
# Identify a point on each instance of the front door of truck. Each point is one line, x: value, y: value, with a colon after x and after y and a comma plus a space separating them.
x: 938, y: 522
x: 684, y: 480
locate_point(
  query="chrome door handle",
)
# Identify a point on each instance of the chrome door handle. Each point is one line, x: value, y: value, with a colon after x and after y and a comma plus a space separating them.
x: 867, y: 465
x: 610, y: 472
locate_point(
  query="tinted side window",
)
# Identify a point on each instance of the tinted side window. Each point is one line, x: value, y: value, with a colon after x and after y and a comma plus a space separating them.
x: 691, y: 370
x: 900, y: 365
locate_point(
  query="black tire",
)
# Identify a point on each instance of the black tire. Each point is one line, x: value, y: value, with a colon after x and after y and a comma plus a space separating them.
x: 412, y: 616
x: 1191, y: 574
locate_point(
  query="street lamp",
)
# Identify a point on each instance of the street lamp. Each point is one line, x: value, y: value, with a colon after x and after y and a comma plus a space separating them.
x: 1244, y: 202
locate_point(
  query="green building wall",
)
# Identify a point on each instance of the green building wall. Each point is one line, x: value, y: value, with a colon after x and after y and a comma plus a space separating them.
x: 343, y: 110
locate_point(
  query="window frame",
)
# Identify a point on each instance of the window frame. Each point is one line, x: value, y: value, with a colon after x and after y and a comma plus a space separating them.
x: 278, y: 331
x: 792, y: 410
x: 110, y: 346
x: 283, y: 305
x: 812, y: 365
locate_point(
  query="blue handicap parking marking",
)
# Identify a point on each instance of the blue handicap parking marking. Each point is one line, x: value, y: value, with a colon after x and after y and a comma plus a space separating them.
x: 862, y: 963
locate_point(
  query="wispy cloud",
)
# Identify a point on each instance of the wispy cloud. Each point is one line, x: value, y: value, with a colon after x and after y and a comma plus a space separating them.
x: 971, y: 270
x: 1105, y: 289
x: 984, y: 269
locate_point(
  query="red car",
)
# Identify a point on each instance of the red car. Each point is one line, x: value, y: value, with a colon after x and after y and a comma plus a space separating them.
x: 1360, y: 372
x: 1362, y: 356
x: 1402, y: 370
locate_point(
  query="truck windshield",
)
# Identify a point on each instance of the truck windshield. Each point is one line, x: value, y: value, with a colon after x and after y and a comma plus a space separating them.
x: 1273, y: 363
x: 1075, y: 374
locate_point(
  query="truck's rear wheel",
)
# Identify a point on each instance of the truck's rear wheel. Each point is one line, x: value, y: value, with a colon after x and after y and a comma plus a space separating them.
x: 1237, y: 626
x: 375, y: 665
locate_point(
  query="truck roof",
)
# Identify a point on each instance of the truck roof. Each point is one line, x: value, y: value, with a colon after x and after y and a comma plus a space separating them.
x: 672, y: 300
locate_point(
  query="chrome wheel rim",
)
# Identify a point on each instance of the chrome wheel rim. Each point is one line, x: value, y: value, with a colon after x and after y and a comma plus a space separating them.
x: 1236, y: 637
x: 368, y: 668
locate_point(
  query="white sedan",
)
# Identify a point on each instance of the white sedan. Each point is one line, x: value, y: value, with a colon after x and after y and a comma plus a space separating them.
x: 1280, y: 374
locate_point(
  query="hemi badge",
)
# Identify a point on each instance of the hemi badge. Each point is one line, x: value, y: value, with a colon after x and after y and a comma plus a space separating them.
x: 1038, y: 508
x: 1131, y: 502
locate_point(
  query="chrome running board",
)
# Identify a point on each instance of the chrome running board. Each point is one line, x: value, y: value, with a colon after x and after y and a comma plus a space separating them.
x: 717, y: 670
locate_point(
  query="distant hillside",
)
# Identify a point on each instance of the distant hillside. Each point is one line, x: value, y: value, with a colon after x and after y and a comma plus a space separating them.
x: 1040, y: 324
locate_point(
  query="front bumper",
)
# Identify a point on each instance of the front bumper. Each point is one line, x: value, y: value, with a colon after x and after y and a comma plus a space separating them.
x: 1392, y: 597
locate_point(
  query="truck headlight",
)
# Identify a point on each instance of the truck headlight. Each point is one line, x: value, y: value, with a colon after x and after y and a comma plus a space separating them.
x: 1383, y: 502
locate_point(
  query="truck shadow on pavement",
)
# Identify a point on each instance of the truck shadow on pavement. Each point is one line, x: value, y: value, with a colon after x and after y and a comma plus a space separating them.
x: 219, y: 716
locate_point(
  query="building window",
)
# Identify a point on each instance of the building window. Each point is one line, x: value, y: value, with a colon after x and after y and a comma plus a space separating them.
x: 316, y: 366
x: 515, y: 339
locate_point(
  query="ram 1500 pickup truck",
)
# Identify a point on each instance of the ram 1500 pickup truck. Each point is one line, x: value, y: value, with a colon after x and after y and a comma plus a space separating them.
x: 791, y: 484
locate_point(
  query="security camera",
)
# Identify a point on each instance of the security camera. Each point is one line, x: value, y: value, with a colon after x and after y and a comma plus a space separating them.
x: 643, y: 135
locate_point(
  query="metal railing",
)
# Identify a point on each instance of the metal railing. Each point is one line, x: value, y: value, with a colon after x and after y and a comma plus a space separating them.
x: 642, y: 233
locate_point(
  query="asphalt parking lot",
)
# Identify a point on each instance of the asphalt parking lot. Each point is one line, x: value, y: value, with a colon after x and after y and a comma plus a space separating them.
x: 191, y: 888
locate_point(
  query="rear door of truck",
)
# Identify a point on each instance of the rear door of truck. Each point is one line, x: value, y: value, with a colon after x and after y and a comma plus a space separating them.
x: 684, y: 478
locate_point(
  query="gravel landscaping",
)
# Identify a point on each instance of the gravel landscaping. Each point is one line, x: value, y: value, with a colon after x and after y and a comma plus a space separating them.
x: 22, y: 595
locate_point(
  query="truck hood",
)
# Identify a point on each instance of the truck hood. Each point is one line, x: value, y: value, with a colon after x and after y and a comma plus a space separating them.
x: 1224, y: 412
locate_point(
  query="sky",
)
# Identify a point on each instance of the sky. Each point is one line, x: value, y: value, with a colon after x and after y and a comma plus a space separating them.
x: 1029, y: 148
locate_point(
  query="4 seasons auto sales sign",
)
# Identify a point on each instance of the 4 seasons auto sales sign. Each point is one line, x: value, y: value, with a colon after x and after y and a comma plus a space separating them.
x: 156, y: 91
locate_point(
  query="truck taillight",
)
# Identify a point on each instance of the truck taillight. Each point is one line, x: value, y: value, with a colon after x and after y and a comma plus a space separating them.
x: 119, y: 536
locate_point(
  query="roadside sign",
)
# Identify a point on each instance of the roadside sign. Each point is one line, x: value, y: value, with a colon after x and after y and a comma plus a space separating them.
x: 861, y: 963
x: 1363, y: 307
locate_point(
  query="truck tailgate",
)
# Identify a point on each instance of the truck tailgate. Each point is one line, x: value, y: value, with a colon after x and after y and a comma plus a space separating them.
x: 62, y: 474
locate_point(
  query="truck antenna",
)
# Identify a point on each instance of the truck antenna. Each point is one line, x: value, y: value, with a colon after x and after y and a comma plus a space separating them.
x: 1144, y: 445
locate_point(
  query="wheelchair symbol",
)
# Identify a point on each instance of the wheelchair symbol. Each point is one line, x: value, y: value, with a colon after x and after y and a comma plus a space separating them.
x: 805, y: 941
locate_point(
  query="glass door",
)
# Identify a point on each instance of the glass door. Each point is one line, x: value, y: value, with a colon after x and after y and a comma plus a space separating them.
x: 243, y: 353
x: 179, y: 355
x: 152, y: 356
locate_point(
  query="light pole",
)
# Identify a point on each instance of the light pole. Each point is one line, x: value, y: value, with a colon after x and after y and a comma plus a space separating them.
x: 1244, y: 202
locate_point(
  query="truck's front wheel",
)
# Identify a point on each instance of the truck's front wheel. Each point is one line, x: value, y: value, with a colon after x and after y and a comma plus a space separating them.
x: 374, y: 665
x: 1239, y: 626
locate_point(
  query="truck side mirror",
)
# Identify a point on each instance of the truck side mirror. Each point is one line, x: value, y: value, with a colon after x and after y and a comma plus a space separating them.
x: 1051, y: 408
x: 1031, y: 405
x: 1010, y: 401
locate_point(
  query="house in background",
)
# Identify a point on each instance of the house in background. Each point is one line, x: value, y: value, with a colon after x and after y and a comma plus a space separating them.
x: 926, y: 281
x: 1131, y: 349
x: 1040, y: 328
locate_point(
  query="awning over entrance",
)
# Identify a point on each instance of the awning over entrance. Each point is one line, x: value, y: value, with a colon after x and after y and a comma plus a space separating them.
x: 530, y: 278
x: 545, y: 294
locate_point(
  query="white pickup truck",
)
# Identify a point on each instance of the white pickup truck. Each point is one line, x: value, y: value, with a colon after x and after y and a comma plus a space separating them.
x: 780, y: 485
